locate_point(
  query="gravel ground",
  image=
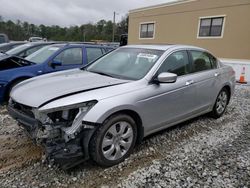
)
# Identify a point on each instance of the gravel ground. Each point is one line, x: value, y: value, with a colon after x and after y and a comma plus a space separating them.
x: 202, y: 152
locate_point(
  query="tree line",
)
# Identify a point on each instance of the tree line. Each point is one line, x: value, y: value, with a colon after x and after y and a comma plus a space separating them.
x: 102, y: 30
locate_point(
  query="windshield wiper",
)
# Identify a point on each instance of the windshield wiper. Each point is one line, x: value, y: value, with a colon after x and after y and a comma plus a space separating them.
x: 102, y: 73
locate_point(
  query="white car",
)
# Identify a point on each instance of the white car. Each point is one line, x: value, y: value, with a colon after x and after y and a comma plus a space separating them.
x: 102, y: 110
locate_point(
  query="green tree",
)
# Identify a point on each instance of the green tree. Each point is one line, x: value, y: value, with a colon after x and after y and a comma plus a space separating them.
x: 102, y: 30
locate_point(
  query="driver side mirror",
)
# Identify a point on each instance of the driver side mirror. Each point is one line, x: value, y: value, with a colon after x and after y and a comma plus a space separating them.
x: 166, y: 77
x: 55, y: 63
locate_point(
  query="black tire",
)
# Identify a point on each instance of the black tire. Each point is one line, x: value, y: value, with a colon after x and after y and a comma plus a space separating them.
x: 95, y: 146
x: 10, y: 87
x: 215, y: 112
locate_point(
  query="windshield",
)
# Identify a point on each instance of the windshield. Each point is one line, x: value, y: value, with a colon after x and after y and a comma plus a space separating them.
x: 127, y: 63
x: 18, y: 49
x: 43, y: 54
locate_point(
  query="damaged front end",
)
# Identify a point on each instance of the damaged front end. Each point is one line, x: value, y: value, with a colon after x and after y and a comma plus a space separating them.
x: 61, y: 131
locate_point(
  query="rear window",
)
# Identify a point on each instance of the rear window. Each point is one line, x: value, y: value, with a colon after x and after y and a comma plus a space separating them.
x: 93, y: 54
x: 201, y: 61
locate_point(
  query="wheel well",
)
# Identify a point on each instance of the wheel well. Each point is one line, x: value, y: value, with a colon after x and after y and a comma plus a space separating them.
x: 138, y: 121
x: 6, y: 94
x: 228, y: 90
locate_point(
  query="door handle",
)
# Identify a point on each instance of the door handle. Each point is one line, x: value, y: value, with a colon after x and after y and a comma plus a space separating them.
x: 216, y: 74
x: 39, y: 71
x: 189, y: 82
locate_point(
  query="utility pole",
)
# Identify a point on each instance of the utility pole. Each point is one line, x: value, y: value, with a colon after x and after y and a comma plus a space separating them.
x: 113, y: 38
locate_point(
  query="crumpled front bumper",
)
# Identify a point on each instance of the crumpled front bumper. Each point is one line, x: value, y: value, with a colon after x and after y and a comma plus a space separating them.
x: 65, y: 154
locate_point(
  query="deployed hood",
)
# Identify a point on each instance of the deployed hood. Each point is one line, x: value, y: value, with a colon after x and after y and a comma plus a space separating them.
x: 10, y: 62
x: 40, y: 90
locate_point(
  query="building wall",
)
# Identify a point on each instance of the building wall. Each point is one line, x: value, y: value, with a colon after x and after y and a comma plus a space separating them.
x: 178, y: 24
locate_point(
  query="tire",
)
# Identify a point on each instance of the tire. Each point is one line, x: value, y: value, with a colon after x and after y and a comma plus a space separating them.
x: 220, y: 104
x: 113, y: 141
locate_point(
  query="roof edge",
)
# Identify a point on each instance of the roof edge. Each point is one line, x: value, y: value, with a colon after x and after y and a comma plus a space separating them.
x: 176, y: 2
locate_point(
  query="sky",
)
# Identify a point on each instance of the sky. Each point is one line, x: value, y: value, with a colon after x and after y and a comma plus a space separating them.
x: 69, y: 12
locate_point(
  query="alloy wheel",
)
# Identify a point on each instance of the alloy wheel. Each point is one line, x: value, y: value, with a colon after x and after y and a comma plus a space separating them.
x: 221, y: 102
x: 117, y: 140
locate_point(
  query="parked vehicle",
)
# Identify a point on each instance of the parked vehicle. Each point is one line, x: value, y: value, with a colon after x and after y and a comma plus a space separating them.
x: 24, y: 50
x: 103, y: 109
x: 124, y: 40
x: 3, y: 38
x: 36, y: 39
x: 8, y: 46
x: 49, y: 59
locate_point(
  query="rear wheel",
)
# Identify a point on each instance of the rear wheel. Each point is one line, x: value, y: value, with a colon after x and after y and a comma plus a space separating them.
x: 221, y: 103
x: 114, y: 140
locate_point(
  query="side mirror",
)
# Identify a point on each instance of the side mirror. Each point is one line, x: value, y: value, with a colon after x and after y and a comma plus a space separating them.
x: 167, y: 77
x: 55, y: 63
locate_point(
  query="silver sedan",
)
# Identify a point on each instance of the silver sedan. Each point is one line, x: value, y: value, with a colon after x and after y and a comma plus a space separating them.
x: 103, y: 109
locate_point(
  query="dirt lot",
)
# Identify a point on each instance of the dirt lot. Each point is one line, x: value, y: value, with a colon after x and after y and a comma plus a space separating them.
x: 202, y: 152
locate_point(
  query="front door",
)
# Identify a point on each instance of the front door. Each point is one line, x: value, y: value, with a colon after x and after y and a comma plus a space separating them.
x: 69, y: 58
x: 166, y: 103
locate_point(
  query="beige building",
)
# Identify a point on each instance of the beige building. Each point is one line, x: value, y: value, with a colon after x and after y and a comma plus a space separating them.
x: 221, y: 26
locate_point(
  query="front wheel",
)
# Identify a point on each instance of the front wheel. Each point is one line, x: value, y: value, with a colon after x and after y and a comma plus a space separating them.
x: 114, y: 140
x: 220, y: 104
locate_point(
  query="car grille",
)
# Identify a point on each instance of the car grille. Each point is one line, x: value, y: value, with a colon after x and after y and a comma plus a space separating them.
x: 26, y: 110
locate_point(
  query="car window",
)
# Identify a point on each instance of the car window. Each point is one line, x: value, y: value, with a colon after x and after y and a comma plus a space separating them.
x: 213, y: 61
x: 2, y: 39
x: 32, y: 50
x: 42, y: 54
x: 177, y: 63
x: 71, y: 56
x: 200, y: 61
x: 93, y: 54
x: 108, y: 49
x: 18, y: 49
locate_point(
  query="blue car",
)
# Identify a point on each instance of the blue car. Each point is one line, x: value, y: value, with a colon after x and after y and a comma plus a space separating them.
x: 52, y: 58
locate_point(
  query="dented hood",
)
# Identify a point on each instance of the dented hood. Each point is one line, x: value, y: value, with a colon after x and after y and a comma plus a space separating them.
x: 43, y: 89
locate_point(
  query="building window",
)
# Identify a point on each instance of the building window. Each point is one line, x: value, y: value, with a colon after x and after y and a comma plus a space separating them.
x: 147, y: 30
x: 211, y: 27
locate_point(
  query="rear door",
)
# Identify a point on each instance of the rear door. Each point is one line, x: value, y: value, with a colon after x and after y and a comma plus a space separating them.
x: 206, y: 77
x: 93, y: 53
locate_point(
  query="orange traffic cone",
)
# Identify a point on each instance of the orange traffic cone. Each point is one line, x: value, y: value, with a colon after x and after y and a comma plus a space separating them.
x: 242, y: 77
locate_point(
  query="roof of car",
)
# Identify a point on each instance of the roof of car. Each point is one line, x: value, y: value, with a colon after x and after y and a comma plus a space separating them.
x: 39, y: 43
x: 79, y: 44
x: 160, y: 46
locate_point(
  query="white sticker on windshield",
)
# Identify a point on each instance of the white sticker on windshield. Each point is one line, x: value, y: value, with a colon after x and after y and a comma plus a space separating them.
x: 148, y: 56
x: 53, y: 48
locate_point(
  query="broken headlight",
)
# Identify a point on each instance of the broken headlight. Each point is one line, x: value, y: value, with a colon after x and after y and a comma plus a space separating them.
x: 67, y: 114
